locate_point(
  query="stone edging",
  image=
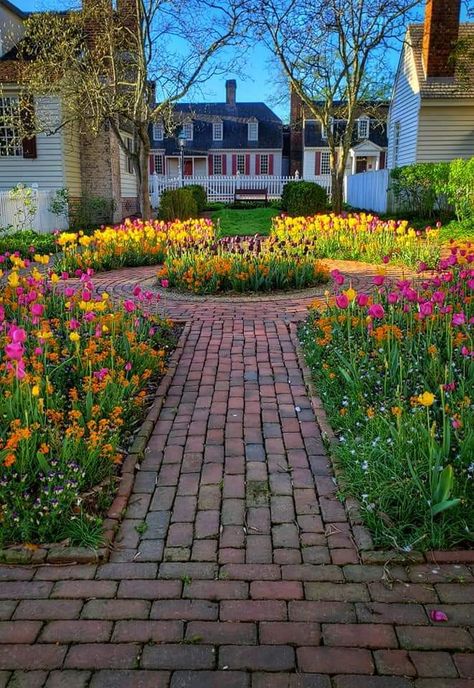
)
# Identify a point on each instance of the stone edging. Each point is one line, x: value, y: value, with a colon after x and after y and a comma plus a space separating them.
x: 361, y: 533
x: 57, y: 554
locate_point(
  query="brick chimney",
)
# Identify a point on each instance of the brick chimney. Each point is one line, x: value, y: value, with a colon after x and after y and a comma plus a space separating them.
x: 440, y: 33
x: 230, y: 89
x: 128, y: 13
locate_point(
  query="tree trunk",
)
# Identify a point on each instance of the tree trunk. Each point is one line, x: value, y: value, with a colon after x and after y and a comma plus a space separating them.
x: 337, y: 192
x: 142, y: 179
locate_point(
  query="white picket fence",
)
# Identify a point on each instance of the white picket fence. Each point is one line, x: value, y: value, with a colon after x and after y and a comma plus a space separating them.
x: 221, y: 189
x: 13, y: 217
x: 368, y: 190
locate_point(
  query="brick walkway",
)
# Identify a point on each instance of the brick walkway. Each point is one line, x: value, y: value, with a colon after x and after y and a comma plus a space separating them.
x: 235, y: 566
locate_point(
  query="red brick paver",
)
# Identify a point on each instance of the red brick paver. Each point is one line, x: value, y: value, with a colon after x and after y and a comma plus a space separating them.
x: 235, y: 565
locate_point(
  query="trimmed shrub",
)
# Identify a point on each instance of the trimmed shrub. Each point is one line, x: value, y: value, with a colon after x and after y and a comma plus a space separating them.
x: 200, y: 196
x: 460, y: 188
x: 177, y: 204
x: 91, y: 211
x: 25, y: 241
x: 303, y: 198
x: 421, y: 188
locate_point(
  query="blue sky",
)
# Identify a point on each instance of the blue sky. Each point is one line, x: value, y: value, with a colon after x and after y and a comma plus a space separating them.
x: 257, y: 61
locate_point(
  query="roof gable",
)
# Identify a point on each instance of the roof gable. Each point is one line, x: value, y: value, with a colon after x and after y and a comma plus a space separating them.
x: 462, y: 86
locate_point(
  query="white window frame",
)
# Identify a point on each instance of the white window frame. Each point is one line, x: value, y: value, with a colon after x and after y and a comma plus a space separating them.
x: 264, y: 162
x: 161, y: 158
x: 128, y: 163
x: 158, y: 131
x: 396, y: 142
x: 363, y: 123
x: 217, y: 131
x: 325, y: 162
x: 10, y: 145
x: 188, y: 131
x: 252, y: 131
x: 217, y: 168
x: 240, y: 163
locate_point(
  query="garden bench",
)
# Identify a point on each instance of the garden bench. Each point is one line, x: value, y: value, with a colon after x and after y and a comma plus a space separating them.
x: 251, y: 195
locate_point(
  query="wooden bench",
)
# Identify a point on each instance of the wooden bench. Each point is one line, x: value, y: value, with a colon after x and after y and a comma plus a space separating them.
x: 251, y: 195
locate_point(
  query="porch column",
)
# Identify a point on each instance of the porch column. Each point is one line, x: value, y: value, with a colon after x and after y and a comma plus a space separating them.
x: 354, y: 161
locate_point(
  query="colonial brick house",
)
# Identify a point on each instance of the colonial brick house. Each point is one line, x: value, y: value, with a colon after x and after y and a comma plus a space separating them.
x: 86, y: 166
x: 431, y: 115
x: 309, y: 144
x: 227, y: 138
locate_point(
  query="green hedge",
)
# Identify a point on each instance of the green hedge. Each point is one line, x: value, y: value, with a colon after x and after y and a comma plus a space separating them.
x: 177, y: 204
x: 303, y: 198
x: 430, y: 189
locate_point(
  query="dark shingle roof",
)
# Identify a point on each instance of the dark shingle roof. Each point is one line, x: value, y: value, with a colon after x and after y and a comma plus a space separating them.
x: 235, y: 119
x: 313, y: 138
x: 462, y: 86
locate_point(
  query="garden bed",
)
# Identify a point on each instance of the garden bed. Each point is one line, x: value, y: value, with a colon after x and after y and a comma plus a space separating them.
x: 395, y: 373
x: 77, y: 375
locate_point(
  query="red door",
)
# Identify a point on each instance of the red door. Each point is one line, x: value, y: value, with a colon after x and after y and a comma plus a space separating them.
x: 188, y: 167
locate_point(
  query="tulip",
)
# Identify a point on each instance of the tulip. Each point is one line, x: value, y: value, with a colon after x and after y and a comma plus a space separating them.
x: 376, y: 310
x: 342, y: 301
x: 362, y: 300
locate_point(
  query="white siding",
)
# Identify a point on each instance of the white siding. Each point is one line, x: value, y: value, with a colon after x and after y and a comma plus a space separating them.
x: 72, y: 161
x: 404, y: 109
x: 128, y: 182
x: 47, y: 169
x: 446, y: 131
x: 11, y: 29
x: 309, y: 162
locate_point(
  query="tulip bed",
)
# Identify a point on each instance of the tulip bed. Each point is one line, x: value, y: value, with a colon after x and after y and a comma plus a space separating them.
x: 241, y: 264
x: 395, y: 371
x: 359, y: 237
x: 76, y: 372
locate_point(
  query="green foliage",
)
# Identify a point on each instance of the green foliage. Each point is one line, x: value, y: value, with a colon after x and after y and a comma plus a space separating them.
x: 200, y: 196
x: 27, y: 204
x: 303, y: 198
x: 59, y: 204
x: 460, y: 188
x: 27, y: 242
x: 177, y: 204
x: 421, y: 188
x: 91, y: 211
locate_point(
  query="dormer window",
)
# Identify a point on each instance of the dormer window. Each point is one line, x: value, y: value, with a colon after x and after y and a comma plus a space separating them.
x: 187, y: 132
x: 158, y: 131
x: 363, y: 128
x: 217, y: 131
x: 253, y: 131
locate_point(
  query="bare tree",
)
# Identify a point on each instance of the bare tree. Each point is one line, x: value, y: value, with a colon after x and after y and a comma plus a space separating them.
x: 125, y: 68
x: 333, y: 53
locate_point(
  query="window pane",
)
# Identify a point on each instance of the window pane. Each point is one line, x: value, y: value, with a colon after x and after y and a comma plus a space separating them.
x: 264, y: 164
x: 158, y: 164
x: 253, y: 131
x: 188, y: 131
x: 217, y: 131
x: 241, y: 164
x: 158, y: 132
x: 325, y: 163
x: 217, y: 164
x: 10, y: 143
x: 363, y: 128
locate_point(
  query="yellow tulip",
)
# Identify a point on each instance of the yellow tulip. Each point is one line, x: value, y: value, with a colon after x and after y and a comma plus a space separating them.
x: 426, y: 399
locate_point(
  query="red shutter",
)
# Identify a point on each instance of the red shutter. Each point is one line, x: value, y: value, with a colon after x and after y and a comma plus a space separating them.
x: 382, y: 160
x: 27, y: 115
x: 224, y: 164
x: 270, y: 163
x: 210, y: 168
x: 317, y: 163
x: 247, y: 164
x: 151, y: 163
x: 234, y: 165
x: 257, y: 164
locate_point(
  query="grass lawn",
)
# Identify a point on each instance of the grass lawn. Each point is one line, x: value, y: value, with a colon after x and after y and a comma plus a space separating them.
x: 239, y: 222
x: 457, y: 230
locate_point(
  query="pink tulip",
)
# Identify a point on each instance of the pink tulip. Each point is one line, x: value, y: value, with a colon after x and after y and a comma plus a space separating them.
x: 378, y: 280
x: 69, y: 291
x: 17, y: 334
x: 165, y: 283
x: 376, y: 310
x: 362, y: 300
x: 342, y: 301
x: 438, y: 615
x: 459, y: 319
x: 129, y: 306
x: 14, y: 351
x: 392, y: 297
x: 37, y: 309
x: 426, y: 308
